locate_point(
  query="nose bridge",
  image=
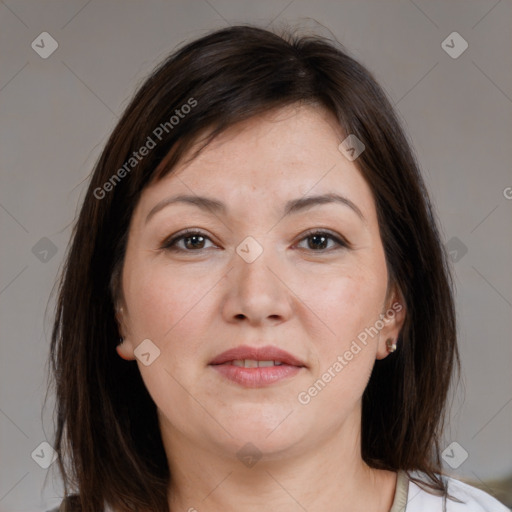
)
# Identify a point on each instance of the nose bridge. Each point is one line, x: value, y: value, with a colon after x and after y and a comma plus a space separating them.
x: 252, y: 261
x: 255, y: 291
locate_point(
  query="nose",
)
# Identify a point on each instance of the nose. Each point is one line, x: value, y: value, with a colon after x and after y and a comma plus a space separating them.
x: 257, y: 292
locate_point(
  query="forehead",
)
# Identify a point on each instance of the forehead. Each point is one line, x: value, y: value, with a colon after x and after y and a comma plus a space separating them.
x: 282, y: 154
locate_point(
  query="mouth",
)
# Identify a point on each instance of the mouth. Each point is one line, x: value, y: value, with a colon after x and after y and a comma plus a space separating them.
x: 253, y: 363
x: 256, y: 367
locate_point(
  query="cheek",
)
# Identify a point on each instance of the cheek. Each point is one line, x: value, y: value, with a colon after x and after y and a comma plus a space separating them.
x: 350, y: 306
x: 349, y: 303
x: 169, y: 307
x: 346, y: 301
x: 157, y: 297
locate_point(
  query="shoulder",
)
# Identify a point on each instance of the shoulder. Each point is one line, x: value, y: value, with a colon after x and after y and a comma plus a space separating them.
x: 471, y: 498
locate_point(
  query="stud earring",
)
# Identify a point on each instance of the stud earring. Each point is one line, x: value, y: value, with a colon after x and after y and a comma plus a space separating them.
x: 390, y: 345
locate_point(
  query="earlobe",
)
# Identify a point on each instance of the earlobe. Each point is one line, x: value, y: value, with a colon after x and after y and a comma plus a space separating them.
x: 393, y: 319
x: 121, y: 353
x: 390, y: 345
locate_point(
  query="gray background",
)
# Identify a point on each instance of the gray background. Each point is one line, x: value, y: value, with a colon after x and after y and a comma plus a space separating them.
x: 57, y: 112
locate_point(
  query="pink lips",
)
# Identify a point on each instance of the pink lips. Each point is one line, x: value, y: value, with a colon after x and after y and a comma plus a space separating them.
x: 253, y: 377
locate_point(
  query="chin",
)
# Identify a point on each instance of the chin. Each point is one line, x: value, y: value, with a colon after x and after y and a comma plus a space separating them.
x: 271, y: 436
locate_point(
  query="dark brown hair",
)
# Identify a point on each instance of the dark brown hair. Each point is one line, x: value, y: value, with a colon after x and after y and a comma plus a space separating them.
x: 107, y: 435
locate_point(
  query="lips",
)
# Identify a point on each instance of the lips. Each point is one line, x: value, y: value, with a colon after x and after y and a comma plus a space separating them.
x: 251, y: 367
x: 249, y: 355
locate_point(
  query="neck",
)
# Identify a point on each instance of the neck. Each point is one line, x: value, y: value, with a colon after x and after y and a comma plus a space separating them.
x: 328, y: 476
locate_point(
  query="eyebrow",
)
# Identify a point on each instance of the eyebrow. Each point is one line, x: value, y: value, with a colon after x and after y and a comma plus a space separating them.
x: 291, y: 207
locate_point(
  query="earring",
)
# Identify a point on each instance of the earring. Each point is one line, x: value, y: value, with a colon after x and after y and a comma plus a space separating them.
x: 390, y: 345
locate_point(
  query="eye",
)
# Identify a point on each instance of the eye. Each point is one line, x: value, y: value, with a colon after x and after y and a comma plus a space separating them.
x: 194, y: 241
x: 319, y: 240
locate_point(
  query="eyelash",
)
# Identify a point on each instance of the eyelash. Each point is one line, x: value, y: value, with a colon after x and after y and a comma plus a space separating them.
x: 170, y: 243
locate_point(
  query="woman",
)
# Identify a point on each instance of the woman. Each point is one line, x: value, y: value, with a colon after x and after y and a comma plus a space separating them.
x: 256, y: 309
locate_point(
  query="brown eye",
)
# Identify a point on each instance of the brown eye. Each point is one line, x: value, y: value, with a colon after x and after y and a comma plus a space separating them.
x: 193, y: 241
x: 318, y: 241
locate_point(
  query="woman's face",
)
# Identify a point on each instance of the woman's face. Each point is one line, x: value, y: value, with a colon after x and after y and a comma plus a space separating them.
x: 253, y: 274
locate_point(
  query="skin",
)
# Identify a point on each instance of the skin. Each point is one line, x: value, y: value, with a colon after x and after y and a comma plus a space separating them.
x: 308, y: 299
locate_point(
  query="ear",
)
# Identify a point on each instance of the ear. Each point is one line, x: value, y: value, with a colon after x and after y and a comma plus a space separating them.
x: 393, y: 318
x: 124, y: 348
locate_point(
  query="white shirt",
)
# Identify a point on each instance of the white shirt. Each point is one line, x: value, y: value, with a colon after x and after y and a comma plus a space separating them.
x: 409, y: 497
